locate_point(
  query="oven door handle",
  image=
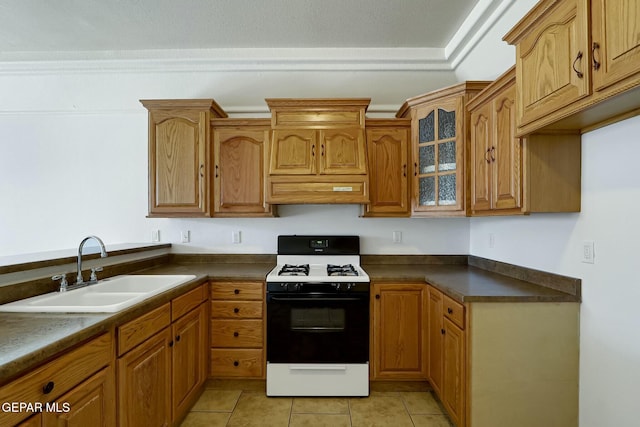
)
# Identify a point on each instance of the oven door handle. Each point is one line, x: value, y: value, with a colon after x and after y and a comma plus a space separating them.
x: 328, y: 367
x: 317, y: 299
x: 317, y: 329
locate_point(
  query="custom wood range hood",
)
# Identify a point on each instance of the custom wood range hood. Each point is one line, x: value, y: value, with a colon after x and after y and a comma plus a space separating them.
x: 317, y: 151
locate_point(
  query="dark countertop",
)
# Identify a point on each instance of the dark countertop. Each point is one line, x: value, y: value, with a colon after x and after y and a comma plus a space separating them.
x: 30, y: 339
x: 466, y: 283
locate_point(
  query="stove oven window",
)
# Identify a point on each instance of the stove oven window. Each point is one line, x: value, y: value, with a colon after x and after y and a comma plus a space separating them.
x: 320, y: 319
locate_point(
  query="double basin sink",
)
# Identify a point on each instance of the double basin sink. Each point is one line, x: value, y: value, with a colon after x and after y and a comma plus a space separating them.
x: 107, y: 296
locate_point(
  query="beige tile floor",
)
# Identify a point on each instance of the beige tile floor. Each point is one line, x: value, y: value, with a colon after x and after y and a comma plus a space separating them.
x: 244, y: 403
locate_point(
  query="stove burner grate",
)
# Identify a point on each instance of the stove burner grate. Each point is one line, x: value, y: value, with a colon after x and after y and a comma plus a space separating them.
x: 294, y: 270
x: 341, y: 270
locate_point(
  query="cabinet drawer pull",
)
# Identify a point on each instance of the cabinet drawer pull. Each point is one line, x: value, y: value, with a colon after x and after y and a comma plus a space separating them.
x: 171, y: 343
x: 236, y: 310
x: 404, y: 170
x: 48, y: 387
x: 578, y: 57
x: 236, y: 291
x: 236, y: 334
x: 322, y: 150
x: 216, y: 171
x: 177, y: 338
x: 415, y: 169
x: 202, y: 171
x: 313, y: 150
x: 442, y: 331
x: 236, y: 363
x: 493, y: 151
x: 449, y: 310
x: 486, y: 154
x: 596, y: 63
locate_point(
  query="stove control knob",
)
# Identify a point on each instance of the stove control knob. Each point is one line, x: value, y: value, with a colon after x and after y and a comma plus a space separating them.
x: 337, y: 286
x: 349, y: 286
x: 296, y: 286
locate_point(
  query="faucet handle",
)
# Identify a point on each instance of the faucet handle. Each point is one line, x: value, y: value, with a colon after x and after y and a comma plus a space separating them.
x: 94, y: 276
x: 63, y: 281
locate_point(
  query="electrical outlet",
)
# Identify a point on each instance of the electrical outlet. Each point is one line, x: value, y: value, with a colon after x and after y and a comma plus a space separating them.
x: 397, y: 237
x: 155, y: 236
x: 185, y: 236
x: 588, y: 252
x: 235, y: 237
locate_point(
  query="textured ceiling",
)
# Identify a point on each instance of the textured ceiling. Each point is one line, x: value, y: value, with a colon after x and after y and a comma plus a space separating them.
x: 115, y: 25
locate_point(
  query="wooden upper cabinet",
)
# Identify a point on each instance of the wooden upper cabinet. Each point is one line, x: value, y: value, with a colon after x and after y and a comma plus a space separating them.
x: 239, y: 163
x: 317, y: 151
x: 388, y: 156
x: 511, y: 175
x: 439, y: 132
x: 496, y: 153
x: 293, y: 152
x: 342, y: 152
x: 578, y: 64
x: 615, y: 41
x: 179, y: 168
x: 552, y: 61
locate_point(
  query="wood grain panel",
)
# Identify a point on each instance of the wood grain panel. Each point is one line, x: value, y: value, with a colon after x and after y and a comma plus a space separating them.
x: 236, y: 333
x: 136, y: 331
x: 237, y: 291
x: 454, y: 387
x: 322, y: 189
x: 242, y: 363
x: 480, y: 158
x: 293, y: 152
x: 434, y: 333
x: 453, y: 310
x: 236, y: 309
x: 342, y: 152
x: 187, y: 302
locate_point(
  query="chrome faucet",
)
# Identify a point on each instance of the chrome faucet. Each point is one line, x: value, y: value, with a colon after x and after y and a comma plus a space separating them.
x: 103, y: 254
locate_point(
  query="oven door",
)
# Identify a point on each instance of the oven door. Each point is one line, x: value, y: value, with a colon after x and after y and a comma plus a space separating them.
x: 318, y: 328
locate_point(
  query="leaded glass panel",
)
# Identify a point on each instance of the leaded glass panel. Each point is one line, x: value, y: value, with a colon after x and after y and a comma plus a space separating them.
x: 427, y: 196
x: 446, y: 124
x: 447, y: 156
x: 427, y: 159
x: 447, y: 189
x: 427, y: 128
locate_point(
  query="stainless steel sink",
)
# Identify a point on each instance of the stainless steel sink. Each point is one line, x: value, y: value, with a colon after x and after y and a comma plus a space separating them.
x: 107, y: 296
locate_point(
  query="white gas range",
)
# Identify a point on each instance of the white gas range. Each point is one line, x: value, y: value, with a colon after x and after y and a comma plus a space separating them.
x: 318, y: 318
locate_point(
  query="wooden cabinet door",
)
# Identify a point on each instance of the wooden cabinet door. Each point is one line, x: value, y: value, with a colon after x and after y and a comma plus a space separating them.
x: 616, y: 41
x: 388, y: 176
x: 438, y: 183
x: 342, y: 152
x: 434, y: 333
x: 32, y: 421
x: 293, y: 152
x: 399, y: 345
x: 188, y: 359
x: 144, y: 383
x: 505, y: 153
x: 481, y: 168
x: 453, y: 371
x: 178, y: 163
x: 552, y: 62
x: 239, y: 166
x: 91, y: 403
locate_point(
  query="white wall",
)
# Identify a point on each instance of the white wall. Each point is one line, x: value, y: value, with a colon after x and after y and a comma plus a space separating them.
x: 610, y: 320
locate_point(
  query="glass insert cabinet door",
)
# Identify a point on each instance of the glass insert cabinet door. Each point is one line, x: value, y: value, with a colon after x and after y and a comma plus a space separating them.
x: 438, y: 164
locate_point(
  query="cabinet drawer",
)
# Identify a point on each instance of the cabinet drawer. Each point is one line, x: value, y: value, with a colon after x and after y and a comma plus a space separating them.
x: 237, y: 290
x: 236, y: 309
x: 57, y: 377
x: 454, y: 311
x: 137, y: 330
x: 187, y: 302
x: 236, y: 333
x: 237, y: 363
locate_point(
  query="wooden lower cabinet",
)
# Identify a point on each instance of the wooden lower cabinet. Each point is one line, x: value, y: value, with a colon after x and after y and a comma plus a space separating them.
x: 398, y: 336
x: 237, y: 330
x: 189, y: 363
x: 75, y: 389
x: 499, y: 363
x: 144, y: 383
x: 161, y: 376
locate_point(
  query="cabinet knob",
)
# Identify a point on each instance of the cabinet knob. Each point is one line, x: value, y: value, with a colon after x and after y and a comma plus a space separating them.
x: 377, y: 296
x: 236, y: 291
x: 48, y: 387
x: 442, y: 331
x: 236, y: 334
x: 236, y: 310
x: 177, y: 337
x: 236, y: 363
x: 449, y: 310
x: 171, y: 343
